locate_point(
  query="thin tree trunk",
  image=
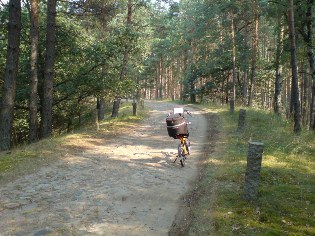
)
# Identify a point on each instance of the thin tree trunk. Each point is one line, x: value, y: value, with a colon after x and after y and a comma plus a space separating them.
x: 295, y: 98
x: 279, y: 80
x: 304, y: 93
x: 234, y: 62
x: 288, y: 97
x: 33, y: 124
x: 123, y: 71
x: 245, y: 65
x: 173, y: 92
x: 161, y: 77
x: 126, y: 53
x: 269, y: 100
x: 145, y: 89
x: 254, y: 54
x: 157, y: 82
x: 134, y: 108
x: 49, y: 71
x: 167, y: 82
x: 11, y: 72
x: 227, y: 89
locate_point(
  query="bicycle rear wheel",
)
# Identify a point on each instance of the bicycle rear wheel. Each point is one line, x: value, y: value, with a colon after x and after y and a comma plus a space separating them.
x: 187, y: 144
x: 181, y: 156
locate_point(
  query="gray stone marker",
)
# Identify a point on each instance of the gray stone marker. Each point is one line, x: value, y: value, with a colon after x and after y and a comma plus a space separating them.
x: 252, y: 176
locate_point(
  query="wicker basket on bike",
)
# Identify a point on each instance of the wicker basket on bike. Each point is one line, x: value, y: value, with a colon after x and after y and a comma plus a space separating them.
x: 176, y: 126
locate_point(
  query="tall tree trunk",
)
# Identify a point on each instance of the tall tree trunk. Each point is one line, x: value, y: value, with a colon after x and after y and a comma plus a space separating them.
x: 168, y: 81
x: 161, y: 77
x: 312, y: 108
x: 234, y: 62
x: 49, y: 71
x: 172, y: 91
x: 123, y: 71
x: 192, y: 90
x: 115, y: 107
x: 254, y: 53
x: 311, y: 59
x: 157, y: 81
x: 288, y: 97
x: 227, y: 88
x: 279, y: 80
x: 244, y: 92
x: 295, y: 98
x: 33, y: 124
x: 11, y: 71
x: 304, y: 93
x: 126, y: 46
x: 101, y: 108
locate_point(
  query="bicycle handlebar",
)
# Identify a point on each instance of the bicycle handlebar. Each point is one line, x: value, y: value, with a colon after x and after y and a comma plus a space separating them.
x: 188, y: 112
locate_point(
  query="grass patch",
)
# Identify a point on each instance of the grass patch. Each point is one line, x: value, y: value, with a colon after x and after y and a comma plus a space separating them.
x: 286, y: 202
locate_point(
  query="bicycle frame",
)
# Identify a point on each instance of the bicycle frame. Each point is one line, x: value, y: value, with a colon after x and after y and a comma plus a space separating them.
x: 183, y: 149
x: 183, y: 140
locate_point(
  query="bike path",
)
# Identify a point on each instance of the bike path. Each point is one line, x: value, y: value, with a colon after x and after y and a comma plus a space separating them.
x: 126, y: 184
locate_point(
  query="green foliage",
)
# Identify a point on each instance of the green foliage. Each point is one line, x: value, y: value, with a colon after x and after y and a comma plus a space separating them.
x: 191, y: 38
x: 198, y: 33
x: 88, y: 62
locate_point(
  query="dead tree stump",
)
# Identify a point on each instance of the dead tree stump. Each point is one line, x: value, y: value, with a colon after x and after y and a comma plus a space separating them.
x: 241, y: 120
x: 252, y: 176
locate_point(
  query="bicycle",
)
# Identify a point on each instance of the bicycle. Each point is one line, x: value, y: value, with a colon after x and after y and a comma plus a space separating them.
x: 177, y: 129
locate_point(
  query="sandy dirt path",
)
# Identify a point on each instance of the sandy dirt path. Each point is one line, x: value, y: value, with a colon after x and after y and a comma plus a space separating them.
x: 125, y: 185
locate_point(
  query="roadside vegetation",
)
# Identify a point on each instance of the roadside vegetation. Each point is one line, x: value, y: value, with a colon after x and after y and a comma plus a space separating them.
x: 26, y: 159
x: 286, y: 201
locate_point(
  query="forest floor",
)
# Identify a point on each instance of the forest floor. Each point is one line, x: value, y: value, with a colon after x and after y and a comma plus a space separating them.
x: 119, y: 182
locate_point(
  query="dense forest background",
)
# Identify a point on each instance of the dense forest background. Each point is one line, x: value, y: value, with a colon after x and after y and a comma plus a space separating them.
x: 63, y: 61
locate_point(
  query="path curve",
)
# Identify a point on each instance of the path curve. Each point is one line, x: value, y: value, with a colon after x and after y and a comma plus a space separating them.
x: 127, y: 185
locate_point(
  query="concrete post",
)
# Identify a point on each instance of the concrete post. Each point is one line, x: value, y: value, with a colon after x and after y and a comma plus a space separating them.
x: 252, y: 176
